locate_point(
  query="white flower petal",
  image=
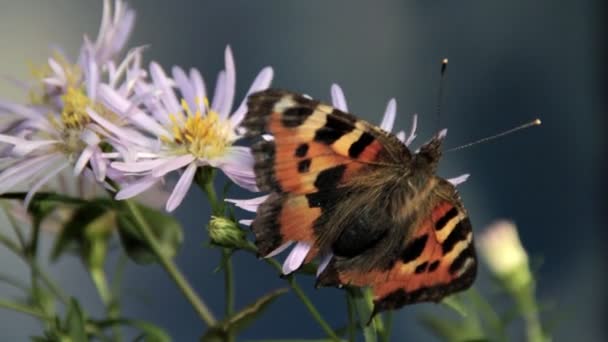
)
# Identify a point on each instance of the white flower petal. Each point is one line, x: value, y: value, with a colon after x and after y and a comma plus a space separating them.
x: 250, y: 204
x: 412, y: 134
x: 388, y: 119
x: 218, y: 93
x: 458, y: 180
x: 136, y: 187
x: 183, y: 83
x: 261, y: 82
x: 164, y: 84
x: 200, y: 93
x: 172, y: 164
x: 279, y: 249
x: 337, y: 98
x: 83, y: 159
x: 296, y: 257
x: 119, y: 132
x: 246, y: 222
x: 400, y: 136
x: 34, y: 188
x: 138, y: 166
x: 25, y: 170
x: 229, y: 85
x: 237, y: 164
x: 181, y: 188
x: 323, y: 264
x: 99, y: 165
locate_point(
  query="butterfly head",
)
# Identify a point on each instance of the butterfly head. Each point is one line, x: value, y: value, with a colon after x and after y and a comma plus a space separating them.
x: 429, y: 154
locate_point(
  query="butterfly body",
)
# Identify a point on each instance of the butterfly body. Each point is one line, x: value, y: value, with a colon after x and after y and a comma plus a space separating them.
x: 350, y: 190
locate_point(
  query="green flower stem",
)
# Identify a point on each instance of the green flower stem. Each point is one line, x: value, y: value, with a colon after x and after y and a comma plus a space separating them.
x: 14, y: 226
x: 171, y: 268
x: 527, y: 304
x: 31, y: 262
x: 301, y: 295
x: 98, y: 275
x: 228, y: 280
x: 388, y: 327
x: 352, y: 321
x: 23, y: 309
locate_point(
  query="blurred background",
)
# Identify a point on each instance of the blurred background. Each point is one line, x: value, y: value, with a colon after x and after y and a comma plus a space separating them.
x: 510, y: 62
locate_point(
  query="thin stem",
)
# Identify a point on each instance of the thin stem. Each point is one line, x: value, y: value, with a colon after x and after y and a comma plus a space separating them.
x: 14, y: 226
x: 388, y: 327
x: 171, y: 268
x: 50, y: 284
x: 228, y: 280
x: 98, y: 275
x: 350, y: 305
x: 23, y: 309
x: 291, y: 280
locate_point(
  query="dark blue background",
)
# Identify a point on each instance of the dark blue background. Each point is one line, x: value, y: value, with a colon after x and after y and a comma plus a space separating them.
x: 510, y: 61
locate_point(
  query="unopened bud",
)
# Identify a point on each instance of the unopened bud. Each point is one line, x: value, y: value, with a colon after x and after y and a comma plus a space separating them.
x: 226, y: 233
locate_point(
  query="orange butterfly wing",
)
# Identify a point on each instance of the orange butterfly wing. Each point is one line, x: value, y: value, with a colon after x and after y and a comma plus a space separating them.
x: 315, y: 148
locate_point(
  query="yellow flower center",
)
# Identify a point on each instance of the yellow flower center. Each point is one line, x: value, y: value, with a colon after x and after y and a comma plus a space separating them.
x: 38, y: 94
x: 204, y: 136
x: 74, y: 114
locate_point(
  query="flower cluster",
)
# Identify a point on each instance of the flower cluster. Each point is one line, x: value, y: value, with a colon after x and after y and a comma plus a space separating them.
x: 108, y: 118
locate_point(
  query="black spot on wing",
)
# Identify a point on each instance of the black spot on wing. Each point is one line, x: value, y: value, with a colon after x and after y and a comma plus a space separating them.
x: 335, y: 127
x: 301, y: 150
x: 295, y: 116
x: 361, y: 234
x: 329, y: 178
x: 421, y: 268
x: 414, y: 249
x: 303, y: 165
x: 359, y: 146
x: 459, y: 233
x: 446, y: 218
x: 433, y: 266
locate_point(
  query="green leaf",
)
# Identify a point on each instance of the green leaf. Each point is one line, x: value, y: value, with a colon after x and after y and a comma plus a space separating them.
x: 151, y: 333
x: 454, y: 302
x: 165, y: 228
x: 75, y: 322
x: 86, y: 233
x: 241, y: 319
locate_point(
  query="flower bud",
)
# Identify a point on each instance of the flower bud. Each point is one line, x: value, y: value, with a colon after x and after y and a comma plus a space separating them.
x: 502, y: 251
x: 226, y: 233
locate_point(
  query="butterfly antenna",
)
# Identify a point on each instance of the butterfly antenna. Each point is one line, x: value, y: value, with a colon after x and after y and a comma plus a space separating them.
x: 535, y: 122
x: 444, y: 66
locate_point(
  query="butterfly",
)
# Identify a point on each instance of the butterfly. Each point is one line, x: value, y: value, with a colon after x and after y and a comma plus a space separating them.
x: 350, y: 190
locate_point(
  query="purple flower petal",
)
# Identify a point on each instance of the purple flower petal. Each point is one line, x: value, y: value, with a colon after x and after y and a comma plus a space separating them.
x: 139, y: 166
x: 218, y: 93
x: 400, y: 136
x: 250, y: 204
x: 279, y: 249
x: 137, y: 187
x: 323, y: 264
x: 42, y: 181
x: 181, y: 188
x: 412, y: 135
x: 172, y: 164
x: 200, y: 93
x: 296, y: 257
x: 83, y: 159
x: 261, y: 82
x: 229, y: 85
x: 337, y: 98
x: 164, y: 84
x: 458, y: 180
x: 389, y: 116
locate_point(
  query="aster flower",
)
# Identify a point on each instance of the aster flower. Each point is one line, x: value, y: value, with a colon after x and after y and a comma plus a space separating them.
x: 183, y: 135
x: 54, y: 131
x: 298, y: 253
